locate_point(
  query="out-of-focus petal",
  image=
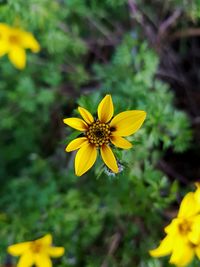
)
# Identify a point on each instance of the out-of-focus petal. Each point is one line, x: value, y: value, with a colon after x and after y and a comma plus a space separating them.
x: 17, y: 56
x: 188, y: 206
x: 4, y: 47
x: 26, y: 260
x: 197, y: 194
x: 182, y: 253
x: 194, y: 234
x: 18, y: 249
x: 45, y: 240
x: 172, y: 228
x: 42, y: 260
x: 164, y: 248
x: 127, y: 122
x: 105, y: 109
x: 197, y: 251
x: 29, y: 41
x: 56, y: 252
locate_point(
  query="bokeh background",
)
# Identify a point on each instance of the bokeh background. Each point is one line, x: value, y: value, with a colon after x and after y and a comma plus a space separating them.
x: 146, y: 54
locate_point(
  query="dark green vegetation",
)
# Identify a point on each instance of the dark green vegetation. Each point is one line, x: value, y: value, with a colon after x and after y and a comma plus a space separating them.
x: 90, y: 48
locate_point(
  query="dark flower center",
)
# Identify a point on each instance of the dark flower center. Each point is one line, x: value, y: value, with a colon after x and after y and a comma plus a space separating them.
x: 14, y: 39
x: 36, y: 247
x: 98, y: 133
x: 184, y: 227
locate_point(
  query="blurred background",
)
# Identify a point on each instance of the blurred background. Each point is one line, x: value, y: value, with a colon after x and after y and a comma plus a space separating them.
x: 146, y: 54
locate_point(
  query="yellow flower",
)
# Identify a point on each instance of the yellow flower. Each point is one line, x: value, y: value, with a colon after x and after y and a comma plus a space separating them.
x: 36, y: 252
x: 100, y: 133
x: 197, y: 194
x: 14, y: 41
x: 183, y: 233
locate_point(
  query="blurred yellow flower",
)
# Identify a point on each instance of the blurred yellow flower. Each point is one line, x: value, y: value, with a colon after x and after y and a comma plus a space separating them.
x: 183, y: 233
x: 14, y: 41
x: 100, y: 133
x: 36, y: 252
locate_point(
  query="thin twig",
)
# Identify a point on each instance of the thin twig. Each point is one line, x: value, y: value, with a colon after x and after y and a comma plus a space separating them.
x: 169, y: 22
x: 112, y: 248
x: 185, y: 33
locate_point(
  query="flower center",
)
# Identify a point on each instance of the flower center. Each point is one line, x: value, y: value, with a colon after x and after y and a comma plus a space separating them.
x: 14, y: 39
x: 36, y: 247
x: 98, y: 133
x: 184, y: 227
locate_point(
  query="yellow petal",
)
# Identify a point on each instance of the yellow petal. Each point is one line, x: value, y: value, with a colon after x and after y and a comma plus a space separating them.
x: 127, y: 122
x: 182, y: 254
x: 188, y: 206
x: 45, y: 240
x: 172, y: 228
x: 17, y: 56
x: 42, y: 260
x: 86, y: 115
x: 18, y: 249
x: 194, y: 234
x: 28, y: 41
x: 197, y: 251
x: 4, y: 48
x: 197, y: 184
x: 76, y: 143
x: 26, y: 260
x: 197, y: 194
x: 76, y: 123
x: 164, y: 248
x: 120, y: 142
x: 85, y: 158
x: 105, y: 109
x: 109, y: 158
x: 56, y: 252
x: 4, y: 28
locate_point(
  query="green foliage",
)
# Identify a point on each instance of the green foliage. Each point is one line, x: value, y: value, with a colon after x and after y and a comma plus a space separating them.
x: 39, y: 191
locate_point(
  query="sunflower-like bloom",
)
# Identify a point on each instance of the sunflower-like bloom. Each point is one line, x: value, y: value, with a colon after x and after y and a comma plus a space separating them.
x: 183, y: 233
x: 14, y: 41
x: 100, y: 133
x: 36, y: 252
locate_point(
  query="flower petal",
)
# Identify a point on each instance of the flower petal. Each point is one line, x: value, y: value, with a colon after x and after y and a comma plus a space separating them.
x: 127, y: 122
x: 4, y: 48
x: 109, y: 158
x: 76, y: 123
x: 76, y: 144
x: 194, y: 234
x: 197, y: 194
x: 120, y: 142
x: 26, y: 260
x: 172, y: 228
x: 164, y: 248
x: 18, y: 249
x: 17, y: 56
x: 45, y: 240
x: 188, y: 207
x: 86, y: 115
x: 85, y: 158
x: 42, y: 260
x: 182, y: 254
x: 56, y: 252
x: 105, y: 109
x: 29, y: 41
x: 197, y: 251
